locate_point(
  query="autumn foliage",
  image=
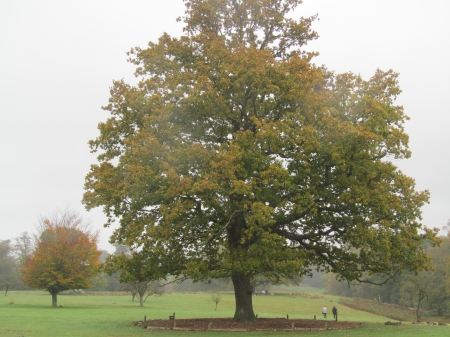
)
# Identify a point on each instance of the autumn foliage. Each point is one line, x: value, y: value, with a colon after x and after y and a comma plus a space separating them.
x: 236, y: 155
x: 65, y: 257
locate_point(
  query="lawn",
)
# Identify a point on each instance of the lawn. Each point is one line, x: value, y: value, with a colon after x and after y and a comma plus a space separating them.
x: 31, y: 315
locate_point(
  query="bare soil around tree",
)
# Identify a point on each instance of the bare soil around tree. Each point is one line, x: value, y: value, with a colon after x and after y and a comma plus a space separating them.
x: 227, y: 324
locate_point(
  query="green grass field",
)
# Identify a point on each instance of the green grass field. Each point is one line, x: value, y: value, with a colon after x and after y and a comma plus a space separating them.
x: 31, y: 315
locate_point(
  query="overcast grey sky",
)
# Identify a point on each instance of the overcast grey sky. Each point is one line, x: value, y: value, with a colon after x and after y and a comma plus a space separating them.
x: 58, y: 60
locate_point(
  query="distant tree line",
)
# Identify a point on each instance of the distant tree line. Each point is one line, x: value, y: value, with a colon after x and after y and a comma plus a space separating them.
x: 13, y: 254
x: 426, y: 290
x: 65, y: 241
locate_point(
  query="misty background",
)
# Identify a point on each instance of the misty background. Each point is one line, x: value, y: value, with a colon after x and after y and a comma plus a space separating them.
x: 58, y: 60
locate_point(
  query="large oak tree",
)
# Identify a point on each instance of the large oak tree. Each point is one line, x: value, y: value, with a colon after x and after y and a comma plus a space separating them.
x: 235, y: 155
x: 65, y: 255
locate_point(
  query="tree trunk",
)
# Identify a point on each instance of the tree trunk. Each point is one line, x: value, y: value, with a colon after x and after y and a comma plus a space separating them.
x: 418, y: 313
x: 243, y: 292
x: 421, y: 296
x: 6, y: 290
x: 141, y: 299
x: 54, y: 300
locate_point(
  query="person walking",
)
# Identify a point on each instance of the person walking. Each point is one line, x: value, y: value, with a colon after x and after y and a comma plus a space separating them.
x: 334, y: 310
x: 324, y: 312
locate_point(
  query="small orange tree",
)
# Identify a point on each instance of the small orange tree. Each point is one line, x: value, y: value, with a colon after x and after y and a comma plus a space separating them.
x: 65, y: 257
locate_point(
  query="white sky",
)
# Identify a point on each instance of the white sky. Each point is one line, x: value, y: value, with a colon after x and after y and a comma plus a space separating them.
x: 58, y: 60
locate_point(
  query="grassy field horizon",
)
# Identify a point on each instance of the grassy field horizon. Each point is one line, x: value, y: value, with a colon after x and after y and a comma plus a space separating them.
x: 30, y: 314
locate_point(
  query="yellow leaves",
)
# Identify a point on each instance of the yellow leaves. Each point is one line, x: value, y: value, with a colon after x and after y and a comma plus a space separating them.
x: 229, y: 138
x: 239, y: 187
